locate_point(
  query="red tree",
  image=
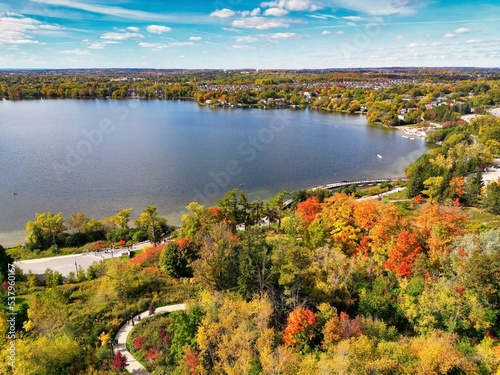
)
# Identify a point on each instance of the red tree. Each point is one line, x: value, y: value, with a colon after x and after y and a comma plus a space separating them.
x: 403, y: 255
x: 138, y: 342
x: 152, y: 355
x: 309, y: 209
x: 119, y: 361
x: 192, y: 361
x: 300, y: 327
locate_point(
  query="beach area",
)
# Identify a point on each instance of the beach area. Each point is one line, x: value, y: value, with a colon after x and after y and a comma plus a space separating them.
x: 413, y: 132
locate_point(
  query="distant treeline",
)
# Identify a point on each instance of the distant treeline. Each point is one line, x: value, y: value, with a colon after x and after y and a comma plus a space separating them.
x: 391, y: 97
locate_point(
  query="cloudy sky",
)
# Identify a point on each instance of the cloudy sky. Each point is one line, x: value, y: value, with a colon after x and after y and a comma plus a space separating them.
x: 248, y: 34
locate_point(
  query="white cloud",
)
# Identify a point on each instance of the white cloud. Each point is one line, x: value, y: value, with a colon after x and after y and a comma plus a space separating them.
x: 99, y: 45
x: 50, y: 27
x: 120, y: 36
x: 14, y: 30
x: 473, y: 41
x: 154, y: 46
x: 246, y: 39
x: 160, y: 46
x: 380, y: 7
x: 317, y: 16
x: 340, y: 32
x: 241, y: 46
x: 276, y: 12
x: 284, y: 36
x: 293, y: 5
x: 399, y: 37
x: 253, y: 13
x: 260, y: 23
x: 353, y: 18
x: 157, y: 29
x: 326, y: 32
x: 449, y: 35
x: 180, y: 44
x: 195, y: 38
x: 435, y: 44
x: 104, y: 9
x: 463, y: 30
x: 413, y: 45
x: 223, y: 13
x: 78, y: 51
x: 133, y: 29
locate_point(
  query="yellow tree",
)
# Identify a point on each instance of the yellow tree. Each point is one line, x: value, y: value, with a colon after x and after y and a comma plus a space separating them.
x: 337, y: 216
x: 438, y: 354
x: 434, y: 188
x: 232, y: 334
x: 47, y: 312
x: 46, y: 356
x: 45, y: 229
x: 78, y: 221
x: 122, y: 218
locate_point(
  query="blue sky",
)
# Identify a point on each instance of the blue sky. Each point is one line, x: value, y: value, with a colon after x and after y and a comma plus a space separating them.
x: 241, y: 34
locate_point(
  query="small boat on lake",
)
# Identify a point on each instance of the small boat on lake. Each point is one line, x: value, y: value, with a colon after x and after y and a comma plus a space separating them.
x: 379, y: 156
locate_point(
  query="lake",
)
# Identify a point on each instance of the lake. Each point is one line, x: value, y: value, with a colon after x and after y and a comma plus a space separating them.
x: 100, y: 156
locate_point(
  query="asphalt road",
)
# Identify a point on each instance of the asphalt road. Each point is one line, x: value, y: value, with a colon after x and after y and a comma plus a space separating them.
x: 69, y: 263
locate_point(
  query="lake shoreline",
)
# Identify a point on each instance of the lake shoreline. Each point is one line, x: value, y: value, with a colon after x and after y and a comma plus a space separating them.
x: 176, y: 160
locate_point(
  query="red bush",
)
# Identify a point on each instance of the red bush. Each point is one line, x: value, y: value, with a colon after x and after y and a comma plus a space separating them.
x: 119, y: 362
x: 139, y: 342
x: 149, y: 257
x: 152, y: 355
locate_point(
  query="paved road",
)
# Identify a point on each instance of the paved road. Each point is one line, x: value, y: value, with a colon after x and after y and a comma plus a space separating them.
x: 70, y: 263
x: 390, y: 192
x: 133, y: 366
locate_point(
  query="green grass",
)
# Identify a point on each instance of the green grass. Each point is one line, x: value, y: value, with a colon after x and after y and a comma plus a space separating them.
x: 481, y: 220
x: 399, y: 196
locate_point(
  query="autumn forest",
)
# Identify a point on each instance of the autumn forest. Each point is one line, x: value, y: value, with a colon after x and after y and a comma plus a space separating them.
x: 332, y: 282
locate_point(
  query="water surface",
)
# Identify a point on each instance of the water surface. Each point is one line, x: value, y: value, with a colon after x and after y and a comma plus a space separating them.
x: 100, y: 156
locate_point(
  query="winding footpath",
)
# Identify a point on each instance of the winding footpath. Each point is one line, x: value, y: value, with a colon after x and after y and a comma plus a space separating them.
x: 133, y: 366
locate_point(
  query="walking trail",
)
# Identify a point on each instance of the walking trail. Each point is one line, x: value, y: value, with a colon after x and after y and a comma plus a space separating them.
x: 133, y: 366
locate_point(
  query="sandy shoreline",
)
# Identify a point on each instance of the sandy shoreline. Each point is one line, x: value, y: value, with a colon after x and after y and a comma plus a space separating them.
x: 412, y: 132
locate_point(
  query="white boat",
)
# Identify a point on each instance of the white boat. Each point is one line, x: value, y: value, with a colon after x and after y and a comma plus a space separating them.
x: 379, y: 156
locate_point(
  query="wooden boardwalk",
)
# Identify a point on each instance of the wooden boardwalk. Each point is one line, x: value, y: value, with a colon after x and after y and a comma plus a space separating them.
x: 341, y: 184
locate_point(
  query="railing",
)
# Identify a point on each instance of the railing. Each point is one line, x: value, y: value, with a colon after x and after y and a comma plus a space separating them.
x: 336, y: 185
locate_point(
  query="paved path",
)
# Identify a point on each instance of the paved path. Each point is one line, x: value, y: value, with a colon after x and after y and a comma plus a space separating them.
x: 133, y: 366
x: 65, y: 264
x: 387, y: 193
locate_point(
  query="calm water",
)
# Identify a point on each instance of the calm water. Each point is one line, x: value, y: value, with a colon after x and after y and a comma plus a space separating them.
x: 101, y: 156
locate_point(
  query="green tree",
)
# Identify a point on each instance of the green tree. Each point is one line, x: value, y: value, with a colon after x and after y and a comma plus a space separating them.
x: 473, y: 185
x: 235, y: 208
x: 5, y: 260
x: 176, y: 258
x: 183, y: 329
x: 45, y: 229
x: 217, y: 264
x: 155, y: 224
x: 255, y: 274
x: 122, y: 218
x: 434, y: 188
x: 491, y: 198
x: 274, y: 208
x: 77, y: 221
